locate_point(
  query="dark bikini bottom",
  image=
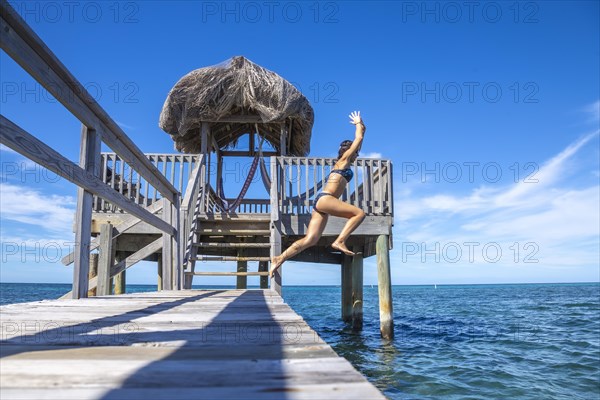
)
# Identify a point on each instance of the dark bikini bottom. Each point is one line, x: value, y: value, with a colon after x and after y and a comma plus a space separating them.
x: 317, y: 200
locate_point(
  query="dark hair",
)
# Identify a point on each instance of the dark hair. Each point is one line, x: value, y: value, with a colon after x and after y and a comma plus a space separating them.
x: 344, y: 146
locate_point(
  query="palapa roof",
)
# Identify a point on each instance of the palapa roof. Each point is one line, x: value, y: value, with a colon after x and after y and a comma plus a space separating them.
x: 230, y: 89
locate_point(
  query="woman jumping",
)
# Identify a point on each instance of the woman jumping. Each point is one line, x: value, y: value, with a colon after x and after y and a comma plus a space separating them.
x: 328, y: 203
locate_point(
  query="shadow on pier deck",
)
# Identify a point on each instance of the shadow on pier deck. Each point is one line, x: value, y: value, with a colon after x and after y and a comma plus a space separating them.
x: 170, y: 345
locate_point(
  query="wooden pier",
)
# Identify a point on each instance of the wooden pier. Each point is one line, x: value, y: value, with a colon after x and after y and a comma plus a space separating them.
x: 186, y: 344
x: 134, y: 206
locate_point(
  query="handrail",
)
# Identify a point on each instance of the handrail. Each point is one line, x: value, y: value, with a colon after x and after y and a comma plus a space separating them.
x: 119, y: 175
x: 24, y: 46
x: 190, y: 207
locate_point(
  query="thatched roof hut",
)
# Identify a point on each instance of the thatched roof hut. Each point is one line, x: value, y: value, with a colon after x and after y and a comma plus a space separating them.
x: 236, y: 90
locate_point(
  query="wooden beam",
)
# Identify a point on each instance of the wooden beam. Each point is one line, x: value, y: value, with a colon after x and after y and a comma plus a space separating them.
x: 384, y: 285
x: 25, y: 47
x: 29, y: 146
x: 240, y: 119
x: 105, y: 261
x: 89, y: 160
x: 241, y: 153
x: 130, y: 261
x: 128, y: 222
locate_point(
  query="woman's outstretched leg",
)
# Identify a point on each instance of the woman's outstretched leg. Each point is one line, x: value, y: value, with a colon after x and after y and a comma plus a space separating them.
x: 313, y: 234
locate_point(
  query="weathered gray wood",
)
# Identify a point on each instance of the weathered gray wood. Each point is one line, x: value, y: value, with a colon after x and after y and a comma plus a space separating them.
x: 105, y: 261
x: 89, y: 161
x: 357, y: 290
x: 239, y: 273
x: 22, y: 44
x: 176, y: 245
x: 24, y: 143
x: 120, y: 278
x: 263, y: 266
x: 160, y: 271
x: 93, y: 272
x: 276, y: 249
x: 346, y: 288
x: 126, y: 222
x: 384, y: 285
x: 167, y: 256
x: 372, y: 225
x: 242, y: 266
x: 136, y: 338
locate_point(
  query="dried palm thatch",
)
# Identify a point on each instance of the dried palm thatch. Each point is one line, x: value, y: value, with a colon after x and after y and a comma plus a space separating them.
x: 236, y: 87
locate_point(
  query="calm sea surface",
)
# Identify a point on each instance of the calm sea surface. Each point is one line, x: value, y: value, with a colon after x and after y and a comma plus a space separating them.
x: 528, y: 341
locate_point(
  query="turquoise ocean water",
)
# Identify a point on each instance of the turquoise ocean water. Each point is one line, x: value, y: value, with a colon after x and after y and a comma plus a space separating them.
x: 525, y: 341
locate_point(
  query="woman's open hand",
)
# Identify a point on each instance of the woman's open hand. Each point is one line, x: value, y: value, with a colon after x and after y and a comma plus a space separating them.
x: 355, y: 118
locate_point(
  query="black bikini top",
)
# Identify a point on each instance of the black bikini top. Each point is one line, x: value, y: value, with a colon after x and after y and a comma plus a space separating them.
x: 346, y: 173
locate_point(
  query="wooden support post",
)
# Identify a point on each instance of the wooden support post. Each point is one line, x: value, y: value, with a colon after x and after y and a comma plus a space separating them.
x: 357, y: 290
x: 263, y: 266
x: 93, y: 271
x: 242, y: 280
x: 119, y: 279
x: 346, y: 288
x: 160, y: 273
x: 242, y: 266
x: 89, y: 160
x: 167, y: 250
x: 105, y: 260
x: 384, y: 284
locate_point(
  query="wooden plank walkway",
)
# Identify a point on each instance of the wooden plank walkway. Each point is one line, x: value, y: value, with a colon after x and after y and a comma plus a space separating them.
x: 186, y: 344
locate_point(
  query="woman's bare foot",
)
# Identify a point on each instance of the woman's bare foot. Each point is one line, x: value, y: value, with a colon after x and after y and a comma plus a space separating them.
x: 342, y: 247
x: 275, y: 264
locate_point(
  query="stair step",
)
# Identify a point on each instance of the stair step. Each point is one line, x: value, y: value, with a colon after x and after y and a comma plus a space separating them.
x: 231, y: 258
x: 238, y: 218
x: 232, y: 245
x: 215, y: 273
x: 233, y: 232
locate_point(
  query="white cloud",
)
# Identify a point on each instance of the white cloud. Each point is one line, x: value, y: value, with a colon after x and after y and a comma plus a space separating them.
x: 561, y: 221
x: 30, y: 206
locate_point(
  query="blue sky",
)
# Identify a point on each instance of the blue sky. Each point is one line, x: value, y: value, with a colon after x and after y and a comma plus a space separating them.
x: 504, y: 94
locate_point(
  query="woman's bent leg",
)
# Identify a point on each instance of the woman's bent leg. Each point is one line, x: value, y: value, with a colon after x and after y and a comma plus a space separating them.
x: 338, y: 208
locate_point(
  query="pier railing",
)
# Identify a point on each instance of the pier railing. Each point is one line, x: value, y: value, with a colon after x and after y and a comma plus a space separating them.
x: 119, y: 175
x: 22, y: 44
x: 298, y: 180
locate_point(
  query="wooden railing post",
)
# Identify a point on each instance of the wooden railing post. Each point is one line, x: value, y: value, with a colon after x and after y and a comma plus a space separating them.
x: 175, y: 243
x: 167, y: 256
x: 275, y: 224
x: 89, y: 160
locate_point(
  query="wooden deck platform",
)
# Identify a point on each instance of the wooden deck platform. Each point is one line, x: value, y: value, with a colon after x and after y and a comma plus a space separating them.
x: 170, y: 345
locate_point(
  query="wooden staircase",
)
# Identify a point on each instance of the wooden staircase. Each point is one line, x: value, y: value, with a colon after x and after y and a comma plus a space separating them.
x: 233, y: 237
